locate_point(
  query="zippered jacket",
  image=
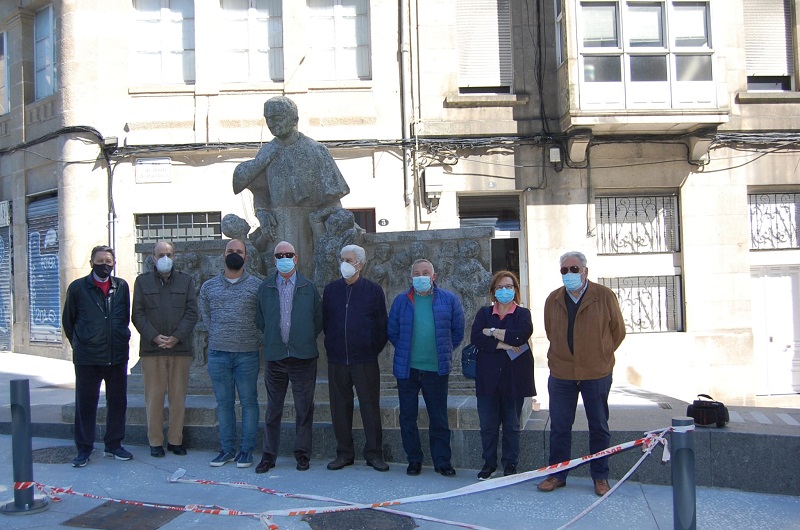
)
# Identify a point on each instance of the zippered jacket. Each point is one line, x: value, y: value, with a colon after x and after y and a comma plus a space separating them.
x: 164, y: 307
x: 354, y: 320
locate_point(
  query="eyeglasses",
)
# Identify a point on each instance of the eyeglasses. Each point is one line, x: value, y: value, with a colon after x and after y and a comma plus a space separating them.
x: 280, y: 255
x: 574, y: 269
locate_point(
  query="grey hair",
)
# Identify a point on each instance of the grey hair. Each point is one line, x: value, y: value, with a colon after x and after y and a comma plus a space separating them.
x: 423, y: 260
x: 573, y: 254
x: 361, y: 256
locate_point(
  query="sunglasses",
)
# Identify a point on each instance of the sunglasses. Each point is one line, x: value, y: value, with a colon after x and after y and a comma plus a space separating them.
x: 574, y: 269
x: 281, y: 255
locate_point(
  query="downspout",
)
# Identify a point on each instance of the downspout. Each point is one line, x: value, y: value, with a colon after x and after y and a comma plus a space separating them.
x: 404, y: 10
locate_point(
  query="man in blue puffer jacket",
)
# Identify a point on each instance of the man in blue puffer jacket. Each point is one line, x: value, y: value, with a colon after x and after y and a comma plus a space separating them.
x: 425, y: 325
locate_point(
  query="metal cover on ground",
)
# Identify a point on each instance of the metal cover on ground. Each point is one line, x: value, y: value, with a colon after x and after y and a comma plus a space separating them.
x: 360, y: 520
x: 116, y: 516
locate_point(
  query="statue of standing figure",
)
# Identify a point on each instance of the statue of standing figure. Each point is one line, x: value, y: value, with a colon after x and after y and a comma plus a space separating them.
x: 291, y: 178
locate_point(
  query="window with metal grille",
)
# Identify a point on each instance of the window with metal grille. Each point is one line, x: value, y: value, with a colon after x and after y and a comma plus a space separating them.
x: 637, y: 225
x: 774, y: 221
x: 174, y: 227
x: 649, y: 304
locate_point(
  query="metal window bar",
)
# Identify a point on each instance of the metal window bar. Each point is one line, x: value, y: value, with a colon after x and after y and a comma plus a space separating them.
x: 637, y: 225
x: 173, y: 227
x: 774, y: 221
x: 649, y: 304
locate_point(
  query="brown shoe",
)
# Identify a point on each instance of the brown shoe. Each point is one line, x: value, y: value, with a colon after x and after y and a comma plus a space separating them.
x: 601, y: 487
x: 551, y: 483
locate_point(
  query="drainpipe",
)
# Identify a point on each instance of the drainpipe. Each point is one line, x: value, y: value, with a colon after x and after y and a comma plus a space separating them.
x: 404, y: 10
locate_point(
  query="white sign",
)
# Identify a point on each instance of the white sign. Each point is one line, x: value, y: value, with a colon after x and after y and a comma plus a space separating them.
x: 5, y: 213
x: 150, y: 170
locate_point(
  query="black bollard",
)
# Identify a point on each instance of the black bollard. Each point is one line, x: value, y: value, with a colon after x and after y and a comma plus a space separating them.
x: 22, y: 452
x: 684, y: 495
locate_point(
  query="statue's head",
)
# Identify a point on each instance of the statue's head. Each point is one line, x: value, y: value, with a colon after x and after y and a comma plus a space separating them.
x: 339, y: 221
x: 281, y: 115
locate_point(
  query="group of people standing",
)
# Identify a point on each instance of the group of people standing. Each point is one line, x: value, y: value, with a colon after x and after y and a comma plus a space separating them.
x: 283, y: 315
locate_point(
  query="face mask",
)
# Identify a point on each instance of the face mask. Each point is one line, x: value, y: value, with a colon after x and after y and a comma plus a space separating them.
x: 572, y: 281
x: 422, y: 284
x: 234, y: 261
x: 347, y: 270
x: 504, y: 296
x: 164, y: 264
x: 101, y: 270
x: 285, y: 265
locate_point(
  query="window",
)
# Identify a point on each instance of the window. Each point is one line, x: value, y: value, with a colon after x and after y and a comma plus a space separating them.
x: 483, y: 30
x: 174, y: 227
x: 637, y: 225
x: 44, y: 53
x: 4, y: 103
x: 251, y: 37
x: 645, y: 55
x: 769, y: 46
x: 365, y: 218
x: 340, y: 42
x: 163, y: 41
x: 649, y: 304
x: 774, y: 221
x: 561, y: 32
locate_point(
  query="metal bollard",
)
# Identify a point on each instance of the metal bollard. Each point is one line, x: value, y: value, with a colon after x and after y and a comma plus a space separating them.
x: 684, y: 498
x: 22, y: 452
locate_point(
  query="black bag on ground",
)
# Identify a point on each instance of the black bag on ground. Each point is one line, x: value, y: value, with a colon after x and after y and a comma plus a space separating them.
x: 469, y: 359
x: 706, y: 411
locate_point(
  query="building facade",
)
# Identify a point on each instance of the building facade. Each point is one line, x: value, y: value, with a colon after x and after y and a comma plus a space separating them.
x: 659, y: 137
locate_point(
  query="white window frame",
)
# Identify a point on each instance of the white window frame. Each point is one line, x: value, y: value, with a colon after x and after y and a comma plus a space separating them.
x: 251, y: 42
x: 561, y: 31
x: 340, y: 40
x: 171, y: 41
x: 44, y: 53
x: 4, y: 81
x: 770, y: 44
x: 485, y: 45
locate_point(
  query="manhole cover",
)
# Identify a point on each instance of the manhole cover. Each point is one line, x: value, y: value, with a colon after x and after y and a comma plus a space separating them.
x: 54, y: 455
x: 360, y: 520
x: 116, y: 516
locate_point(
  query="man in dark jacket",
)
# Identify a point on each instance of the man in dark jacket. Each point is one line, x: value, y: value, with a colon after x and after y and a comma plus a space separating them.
x: 289, y: 314
x: 95, y: 320
x: 164, y: 313
x: 354, y: 321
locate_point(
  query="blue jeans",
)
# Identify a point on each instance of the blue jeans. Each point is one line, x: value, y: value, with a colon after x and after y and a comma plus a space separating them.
x: 233, y: 372
x: 493, y: 411
x: 434, y: 392
x: 563, y: 402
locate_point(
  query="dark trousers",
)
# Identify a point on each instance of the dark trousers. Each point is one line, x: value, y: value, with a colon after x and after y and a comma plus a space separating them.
x: 493, y: 411
x: 87, y: 395
x: 563, y: 402
x: 366, y: 379
x: 434, y: 392
x: 303, y: 375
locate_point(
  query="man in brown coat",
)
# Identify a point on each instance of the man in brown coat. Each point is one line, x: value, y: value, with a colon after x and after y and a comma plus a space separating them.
x: 584, y: 325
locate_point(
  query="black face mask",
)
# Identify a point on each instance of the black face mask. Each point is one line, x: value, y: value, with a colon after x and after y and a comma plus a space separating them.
x: 101, y: 270
x: 234, y: 261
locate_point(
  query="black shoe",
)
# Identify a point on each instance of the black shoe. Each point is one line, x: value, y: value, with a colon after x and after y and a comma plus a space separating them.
x: 446, y: 471
x: 177, y: 449
x: 339, y: 463
x: 156, y: 451
x: 486, y: 472
x: 414, y: 469
x: 510, y: 469
x: 303, y: 463
x: 81, y: 460
x: 378, y: 464
x: 267, y: 463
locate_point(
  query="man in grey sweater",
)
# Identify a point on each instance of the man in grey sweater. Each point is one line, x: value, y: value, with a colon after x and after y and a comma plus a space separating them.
x: 228, y: 308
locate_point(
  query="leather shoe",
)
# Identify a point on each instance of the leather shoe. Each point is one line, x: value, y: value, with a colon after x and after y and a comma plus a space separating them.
x: 378, y: 464
x: 486, y: 472
x: 267, y: 463
x: 177, y: 449
x: 601, y: 487
x: 510, y: 469
x: 551, y: 483
x: 446, y: 471
x: 303, y: 463
x: 339, y: 463
x: 156, y: 451
x: 414, y: 469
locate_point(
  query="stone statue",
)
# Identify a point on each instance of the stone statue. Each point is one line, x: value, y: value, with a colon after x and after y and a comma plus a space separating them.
x: 340, y: 230
x: 291, y: 178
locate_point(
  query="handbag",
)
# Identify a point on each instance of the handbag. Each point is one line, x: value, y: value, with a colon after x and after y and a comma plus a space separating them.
x: 706, y: 411
x: 469, y: 359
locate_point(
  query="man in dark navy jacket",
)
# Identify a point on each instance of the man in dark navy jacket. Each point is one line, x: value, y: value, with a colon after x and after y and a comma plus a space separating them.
x: 354, y: 321
x: 96, y: 316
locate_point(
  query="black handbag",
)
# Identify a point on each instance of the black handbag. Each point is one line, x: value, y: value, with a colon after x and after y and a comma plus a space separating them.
x: 469, y: 359
x: 706, y: 411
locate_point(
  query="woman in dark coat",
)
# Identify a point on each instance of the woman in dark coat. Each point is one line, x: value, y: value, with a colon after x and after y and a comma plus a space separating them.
x: 504, y: 366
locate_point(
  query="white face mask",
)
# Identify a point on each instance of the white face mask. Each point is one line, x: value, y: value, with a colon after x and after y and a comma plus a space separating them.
x: 164, y: 264
x: 347, y: 270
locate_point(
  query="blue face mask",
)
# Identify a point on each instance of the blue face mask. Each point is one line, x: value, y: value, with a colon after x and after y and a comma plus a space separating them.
x: 572, y: 281
x: 504, y: 295
x: 422, y: 284
x: 285, y: 265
